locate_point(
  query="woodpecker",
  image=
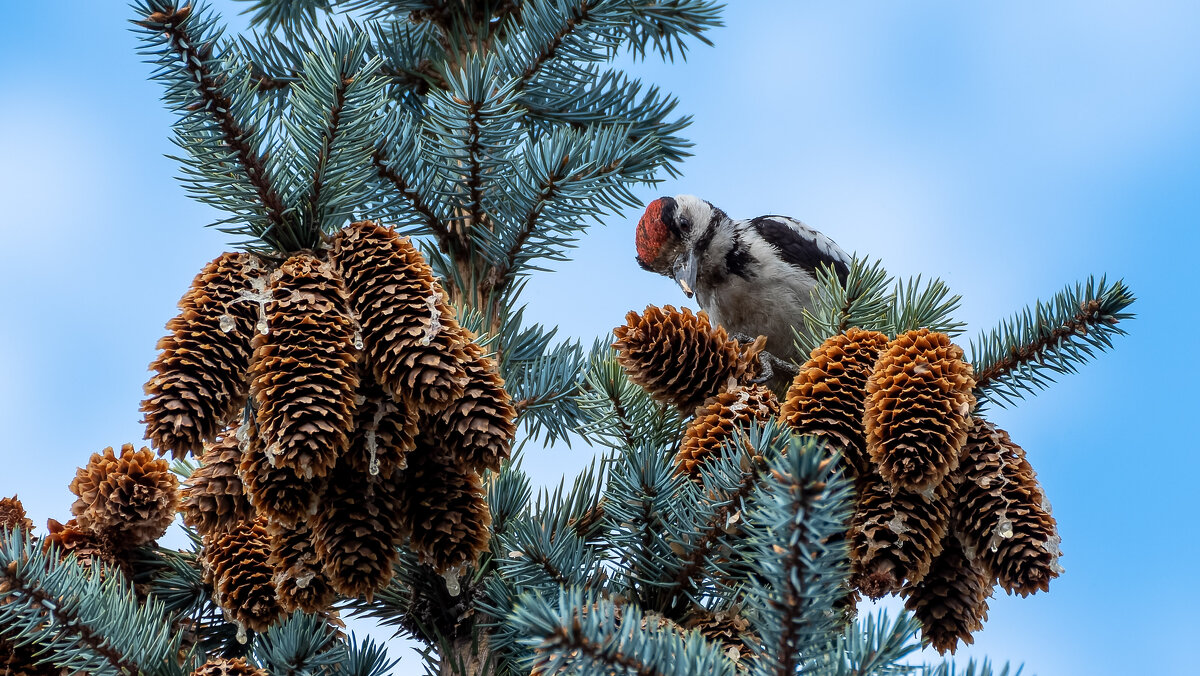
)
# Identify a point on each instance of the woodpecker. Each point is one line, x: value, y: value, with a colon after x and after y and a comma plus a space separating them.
x: 753, y: 276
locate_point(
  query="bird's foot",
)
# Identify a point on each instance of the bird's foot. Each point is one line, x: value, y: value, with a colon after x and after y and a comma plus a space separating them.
x: 768, y: 363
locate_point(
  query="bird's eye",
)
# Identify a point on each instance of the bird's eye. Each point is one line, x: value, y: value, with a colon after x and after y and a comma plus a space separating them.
x: 685, y: 225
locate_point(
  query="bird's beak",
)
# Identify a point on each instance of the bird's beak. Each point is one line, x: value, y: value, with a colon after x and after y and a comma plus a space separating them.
x: 684, y: 272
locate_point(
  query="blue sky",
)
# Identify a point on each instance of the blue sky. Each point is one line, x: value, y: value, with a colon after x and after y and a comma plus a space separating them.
x: 1009, y: 148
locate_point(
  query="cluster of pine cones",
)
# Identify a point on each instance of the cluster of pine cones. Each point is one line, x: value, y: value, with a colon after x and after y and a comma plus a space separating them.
x: 338, y: 410
x: 946, y: 506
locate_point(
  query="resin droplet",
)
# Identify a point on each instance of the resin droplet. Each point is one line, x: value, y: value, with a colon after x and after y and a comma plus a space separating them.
x: 263, y: 327
x: 303, y: 581
x: 451, y: 578
x: 358, y: 341
x: 241, y: 634
x: 226, y: 323
x: 435, y: 319
x: 1004, y: 528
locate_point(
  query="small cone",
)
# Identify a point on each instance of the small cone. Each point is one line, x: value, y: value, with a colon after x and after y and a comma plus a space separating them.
x: 276, y: 492
x: 213, y: 497
x: 950, y: 602
x: 895, y: 534
x: 918, y: 409
x: 228, y: 667
x: 383, y: 432
x: 1003, y: 514
x: 827, y: 397
x: 131, y: 498
x: 356, y: 533
x: 479, y: 427
x: 442, y: 506
x: 12, y: 515
x: 200, y: 376
x: 92, y: 552
x: 237, y: 565
x: 728, y: 628
x: 679, y: 358
x: 411, y: 338
x: 304, y: 377
x: 718, y: 422
x: 299, y: 582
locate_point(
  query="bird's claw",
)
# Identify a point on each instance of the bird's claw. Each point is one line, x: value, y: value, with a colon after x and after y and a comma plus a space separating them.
x: 768, y: 363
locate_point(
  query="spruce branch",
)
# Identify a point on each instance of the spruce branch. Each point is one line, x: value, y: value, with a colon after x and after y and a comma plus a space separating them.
x: 290, y: 15
x: 414, y: 203
x: 667, y: 25
x: 301, y: 644
x: 573, y: 31
x: 80, y: 621
x: 862, y: 301
x: 916, y: 306
x: 1018, y: 356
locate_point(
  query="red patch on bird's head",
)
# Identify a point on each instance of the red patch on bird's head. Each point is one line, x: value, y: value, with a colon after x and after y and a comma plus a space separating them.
x: 654, y: 231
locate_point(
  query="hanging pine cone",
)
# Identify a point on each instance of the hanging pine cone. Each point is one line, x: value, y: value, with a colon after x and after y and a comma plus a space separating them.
x: 383, y: 431
x: 12, y: 515
x: 895, y: 534
x: 236, y: 563
x: 1002, y: 513
x: 718, y: 422
x: 200, y: 376
x: 356, y: 533
x: 299, y: 582
x: 228, y: 667
x: 679, y: 358
x: 479, y: 427
x: 918, y: 409
x: 131, y: 498
x: 276, y: 492
x: 442, y: 506
x: 303, y: 377
x: 92, y: 552
x: 827, y: 396
x: 412, y: 340
x: 213, y: 497
x: 950, y: 602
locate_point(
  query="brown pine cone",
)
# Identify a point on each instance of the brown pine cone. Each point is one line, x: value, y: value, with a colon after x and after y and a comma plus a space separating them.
x: 213, y: 497
x: 442, y: 506
x: 950, y: 602
x: 411, y: 337
x: 304, y: 376
x: 131, y: 498
x: 228, y: 667
x: 12, y: 515
x: 828, y: 395
x: 918, y: 409
x: 236, y: 563
x: 92, y: 552
x: 895, y: 534
x: 299, y: 582
x: 479, y: 427
x: 276, y: 492
x: 1003, y: 514
x: 680, y: 358
x: 356, y: 532
x: 726, y: 627
x: 718, y: 422
x: 383, y: 431
x: 200, y: 376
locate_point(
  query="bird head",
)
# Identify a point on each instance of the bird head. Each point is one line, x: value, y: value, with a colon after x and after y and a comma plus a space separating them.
x: 666, y: 237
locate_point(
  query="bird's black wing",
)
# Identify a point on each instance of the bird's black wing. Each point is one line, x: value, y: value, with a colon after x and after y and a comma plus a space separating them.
x: 801, y: 246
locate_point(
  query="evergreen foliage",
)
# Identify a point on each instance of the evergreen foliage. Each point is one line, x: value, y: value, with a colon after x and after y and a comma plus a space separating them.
x: 496, y: 132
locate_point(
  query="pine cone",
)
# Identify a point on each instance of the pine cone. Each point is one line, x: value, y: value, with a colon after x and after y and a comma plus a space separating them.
x: 479, y: 427
x: 213, y: 497
x: 442, y: 506
x: 1003, y: 515
x: 12, y: 515
x: 200, y: 375
x: 726, y: 627
x: 228, y: 667
x: 918, y: 409
x: 719, y: 420
x: 950, y: 602
x: 276, y: 492
x: 895, y: 534
x: 828, y: 395
x: 89, y: 548
x: 299, y: 582
x: 679, y: 358
x: 304, y: 378
x: 356, y: 533
x: 237, y: 565
x: 131, y: 499
x: 383, y: 432
x: 412, y: 340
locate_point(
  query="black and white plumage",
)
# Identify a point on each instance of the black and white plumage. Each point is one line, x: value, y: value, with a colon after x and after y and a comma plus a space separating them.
x: 753, y: 276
